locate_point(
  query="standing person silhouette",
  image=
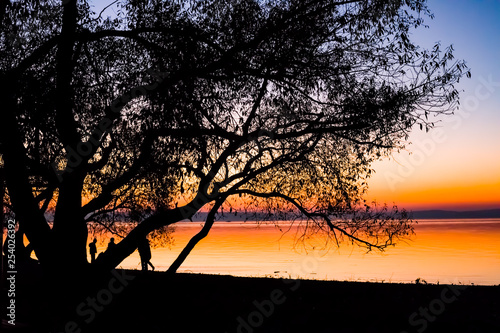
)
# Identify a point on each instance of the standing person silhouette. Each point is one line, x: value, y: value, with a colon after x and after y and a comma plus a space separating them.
x: 111, y: 244
x: 145, y: 254
x: 93, y: 250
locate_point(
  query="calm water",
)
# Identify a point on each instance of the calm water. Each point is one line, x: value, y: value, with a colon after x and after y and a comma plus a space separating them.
x: 444, y: 251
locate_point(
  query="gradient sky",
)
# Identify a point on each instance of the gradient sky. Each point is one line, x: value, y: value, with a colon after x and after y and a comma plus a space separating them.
x: 457, y: 165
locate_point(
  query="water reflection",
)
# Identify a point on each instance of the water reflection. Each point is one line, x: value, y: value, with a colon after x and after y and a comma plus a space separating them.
x: 466, y: 251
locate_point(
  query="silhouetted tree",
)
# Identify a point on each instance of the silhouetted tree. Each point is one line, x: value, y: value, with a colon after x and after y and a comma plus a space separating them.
x: 173, y: 105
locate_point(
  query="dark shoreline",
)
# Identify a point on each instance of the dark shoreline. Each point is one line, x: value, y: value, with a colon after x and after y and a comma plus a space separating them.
x: 156, y: 302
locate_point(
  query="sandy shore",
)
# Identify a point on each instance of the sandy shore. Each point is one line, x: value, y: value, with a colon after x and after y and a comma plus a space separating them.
x: 134, y: 302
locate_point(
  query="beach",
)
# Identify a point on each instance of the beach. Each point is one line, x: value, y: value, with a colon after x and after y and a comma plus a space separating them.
x: 132, y: 301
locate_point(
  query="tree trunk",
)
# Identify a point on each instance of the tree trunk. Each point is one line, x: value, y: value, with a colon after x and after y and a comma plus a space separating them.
x: 70, y: 229
x: 196, y: 238
x: 16, y: 179
x: 110, y: 259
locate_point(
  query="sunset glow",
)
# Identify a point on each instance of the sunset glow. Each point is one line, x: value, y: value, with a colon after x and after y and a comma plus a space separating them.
x: 423, y: 194
x: 455, y: 166
x: 250, y: 166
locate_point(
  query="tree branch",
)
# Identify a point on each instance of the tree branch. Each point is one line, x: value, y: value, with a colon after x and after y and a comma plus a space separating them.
x: 312, y: 216
x: 198, y: 237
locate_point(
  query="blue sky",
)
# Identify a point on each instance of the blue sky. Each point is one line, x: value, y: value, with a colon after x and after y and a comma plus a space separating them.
x: 460, y: 170
x: 466, y: 165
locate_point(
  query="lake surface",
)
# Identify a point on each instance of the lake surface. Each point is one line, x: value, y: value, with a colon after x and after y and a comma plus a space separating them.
x: 445, y: 251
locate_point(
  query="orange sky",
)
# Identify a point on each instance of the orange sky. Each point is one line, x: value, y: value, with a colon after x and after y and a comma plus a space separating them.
x: 456, y: 165
x: 461, y: 171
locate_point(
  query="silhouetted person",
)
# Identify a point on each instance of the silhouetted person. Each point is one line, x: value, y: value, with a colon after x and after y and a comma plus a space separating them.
x: 93, y: 250
x: 145, y: 254
x: 111, y: 244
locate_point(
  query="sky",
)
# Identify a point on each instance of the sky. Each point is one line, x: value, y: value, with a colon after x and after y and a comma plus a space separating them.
x: 455, y: 166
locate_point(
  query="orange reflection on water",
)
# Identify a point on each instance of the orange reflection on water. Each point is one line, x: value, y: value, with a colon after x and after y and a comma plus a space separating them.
x: 466, y: 251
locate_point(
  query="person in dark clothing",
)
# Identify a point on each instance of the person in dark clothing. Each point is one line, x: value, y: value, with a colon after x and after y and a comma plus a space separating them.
x: 111, y: 244
x: 93, y: 250
x: 145, y: 254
